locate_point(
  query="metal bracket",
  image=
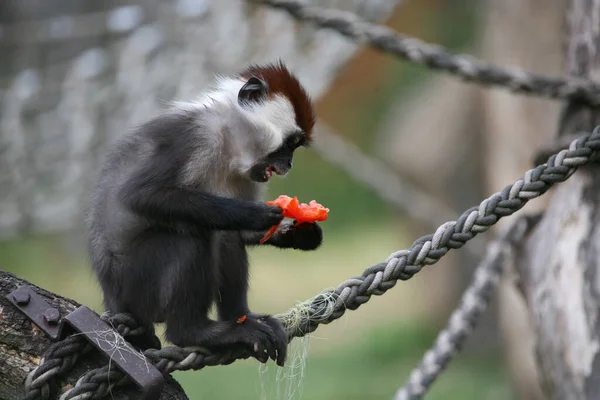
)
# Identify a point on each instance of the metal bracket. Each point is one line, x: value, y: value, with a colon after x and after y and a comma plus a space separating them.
x: 87, y: 323
x: 37, y: 309
x: 145, y: 375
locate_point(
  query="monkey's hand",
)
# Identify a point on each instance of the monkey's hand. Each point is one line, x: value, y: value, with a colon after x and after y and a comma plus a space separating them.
x: 305, y: 236
x: 260, y: 217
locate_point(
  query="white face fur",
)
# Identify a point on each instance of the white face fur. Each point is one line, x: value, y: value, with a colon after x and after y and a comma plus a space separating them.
x: 258, y: 129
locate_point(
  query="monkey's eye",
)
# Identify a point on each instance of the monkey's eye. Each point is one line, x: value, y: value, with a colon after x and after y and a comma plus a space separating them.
x: 296, y: 140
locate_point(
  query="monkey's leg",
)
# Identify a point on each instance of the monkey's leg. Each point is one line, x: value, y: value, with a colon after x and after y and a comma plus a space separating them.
x: 232, y: 301
x: 189, y: 283
x: 143, y: 273
x: 192, y: 283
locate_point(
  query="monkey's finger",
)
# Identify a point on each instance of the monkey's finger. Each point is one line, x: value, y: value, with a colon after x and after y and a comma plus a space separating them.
x: 281, y: 355
x: 280, y: 338
x: 281, y: 350
x: 271, y: 347
x: 259, y: 352
x: 269, y: 338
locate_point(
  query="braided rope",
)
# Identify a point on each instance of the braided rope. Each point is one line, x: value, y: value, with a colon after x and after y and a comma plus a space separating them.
x: 376, y: 280
x: 466, y: 316
x: 60, y: 357
x: 94, y: 384
x: 436, y: 57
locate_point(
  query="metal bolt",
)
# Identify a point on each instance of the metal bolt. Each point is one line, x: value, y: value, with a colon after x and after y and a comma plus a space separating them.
x: 21, y: 297
x: 52, y: 316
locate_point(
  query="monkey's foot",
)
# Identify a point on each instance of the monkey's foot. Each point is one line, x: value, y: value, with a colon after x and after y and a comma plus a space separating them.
x: 261, y: 334
x: 147, y: 340
x: 270, y: 337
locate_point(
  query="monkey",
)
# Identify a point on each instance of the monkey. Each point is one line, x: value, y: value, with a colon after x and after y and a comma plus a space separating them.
x: 177, y: 202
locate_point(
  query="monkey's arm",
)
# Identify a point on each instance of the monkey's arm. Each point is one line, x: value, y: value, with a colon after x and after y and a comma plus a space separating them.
x: 152, y: 192
x: 289, y: 236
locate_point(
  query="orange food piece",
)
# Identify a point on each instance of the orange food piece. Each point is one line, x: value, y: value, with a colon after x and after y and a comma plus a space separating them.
x: 310, y: 212
x: 241, y: 319
x: 269, y: 233
x: 302, y: 213
x: 284, y: 202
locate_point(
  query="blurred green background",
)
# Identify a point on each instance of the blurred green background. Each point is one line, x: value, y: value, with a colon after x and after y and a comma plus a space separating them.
x: 369, y: 352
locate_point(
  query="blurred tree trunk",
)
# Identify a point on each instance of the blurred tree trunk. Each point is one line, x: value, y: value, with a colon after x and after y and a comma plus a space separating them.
x: 560, y: 265
x: 515, y: 128
x: 22, y: 344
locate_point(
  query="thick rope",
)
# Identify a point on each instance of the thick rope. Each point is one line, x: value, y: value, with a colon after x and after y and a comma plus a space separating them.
x: 58, y: 359
x: 436, y: 57
x: 376, y: 280
x: 466, y: 316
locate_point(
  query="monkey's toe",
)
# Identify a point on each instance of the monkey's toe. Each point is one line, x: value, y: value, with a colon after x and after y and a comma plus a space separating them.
x: 276, y: 336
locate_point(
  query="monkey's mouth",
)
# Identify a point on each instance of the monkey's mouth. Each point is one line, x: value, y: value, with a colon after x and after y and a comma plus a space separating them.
x: 269, y: 172
x: 263, y: 172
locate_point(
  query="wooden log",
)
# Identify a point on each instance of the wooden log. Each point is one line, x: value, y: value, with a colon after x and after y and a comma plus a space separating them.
x: 22, y: 344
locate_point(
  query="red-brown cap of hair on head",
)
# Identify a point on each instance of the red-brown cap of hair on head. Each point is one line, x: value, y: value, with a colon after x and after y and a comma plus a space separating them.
x: 281, y: 81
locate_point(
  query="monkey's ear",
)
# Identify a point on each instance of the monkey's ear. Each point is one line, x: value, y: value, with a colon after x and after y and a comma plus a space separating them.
x: 253, y: 91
